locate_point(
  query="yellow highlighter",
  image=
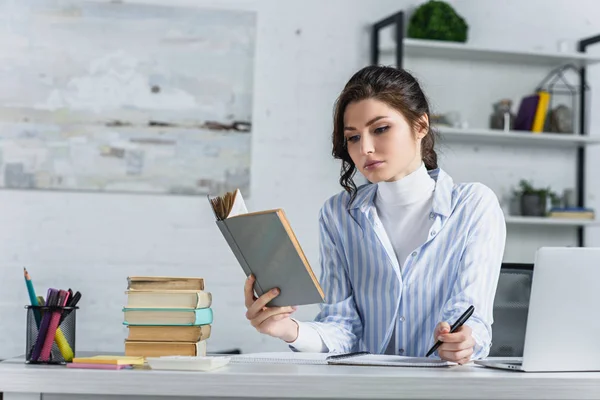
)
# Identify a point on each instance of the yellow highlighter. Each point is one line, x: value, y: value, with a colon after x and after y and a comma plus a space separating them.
x: 63, y: 345
x: 60, y: 339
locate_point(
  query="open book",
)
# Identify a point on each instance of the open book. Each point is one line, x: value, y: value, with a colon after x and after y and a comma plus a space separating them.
x: 265, y: 245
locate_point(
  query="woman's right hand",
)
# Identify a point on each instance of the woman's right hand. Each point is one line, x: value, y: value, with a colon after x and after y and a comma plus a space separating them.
x: 272, y: 321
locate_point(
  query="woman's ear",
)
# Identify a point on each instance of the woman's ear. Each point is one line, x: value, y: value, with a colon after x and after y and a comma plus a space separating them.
x: 423, y: 126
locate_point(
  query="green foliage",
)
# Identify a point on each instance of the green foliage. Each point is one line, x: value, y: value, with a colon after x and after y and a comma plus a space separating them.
x: 437, y: 20
x: 526, y: 187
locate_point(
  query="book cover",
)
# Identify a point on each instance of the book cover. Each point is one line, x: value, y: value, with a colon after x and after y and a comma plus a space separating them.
x: 159, y: 349
x: 541, y: 111
x: 168, y: 333
x: 168, y: 299
x: 167, y: 316
x: 526, y: 114
x: 164, y: 283
x: 265, y: 245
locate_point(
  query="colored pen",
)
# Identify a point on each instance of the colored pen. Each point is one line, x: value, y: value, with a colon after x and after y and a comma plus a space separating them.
x: 32, y: 297
x: 459, y: 322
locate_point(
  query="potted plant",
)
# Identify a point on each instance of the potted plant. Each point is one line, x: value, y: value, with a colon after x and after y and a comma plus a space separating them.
x: 437, y: 20
x: 535, y: 202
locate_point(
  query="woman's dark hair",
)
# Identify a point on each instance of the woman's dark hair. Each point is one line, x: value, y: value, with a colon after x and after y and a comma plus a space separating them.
x: 399, y: 90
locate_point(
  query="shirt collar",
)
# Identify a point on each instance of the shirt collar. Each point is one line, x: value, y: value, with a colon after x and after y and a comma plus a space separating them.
x: 442, y: 195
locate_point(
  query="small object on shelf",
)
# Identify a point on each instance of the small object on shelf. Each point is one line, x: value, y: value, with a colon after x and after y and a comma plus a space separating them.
x: 560, y: 120
x: 437, y: 20
x: 535, y: 202
x: 502, y: 118
x: 525, y: 118
x: 569, y: 198
x: 572, y: 212
x: 451, y: 119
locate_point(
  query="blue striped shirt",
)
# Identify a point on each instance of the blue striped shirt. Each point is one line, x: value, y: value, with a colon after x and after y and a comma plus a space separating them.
x: 366, y: 291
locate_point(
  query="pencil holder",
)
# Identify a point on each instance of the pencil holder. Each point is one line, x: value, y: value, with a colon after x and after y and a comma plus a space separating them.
x: 50, y: 335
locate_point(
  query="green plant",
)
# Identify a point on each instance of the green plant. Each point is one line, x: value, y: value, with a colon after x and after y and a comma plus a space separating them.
x: 437, y: 20
x: 527, y: 188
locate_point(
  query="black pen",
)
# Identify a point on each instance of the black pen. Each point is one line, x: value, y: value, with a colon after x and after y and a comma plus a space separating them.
x: 459, y: 322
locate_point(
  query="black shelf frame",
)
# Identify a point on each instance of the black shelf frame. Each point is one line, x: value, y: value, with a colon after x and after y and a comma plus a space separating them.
x: 582, y: 46
x: 397, y: 22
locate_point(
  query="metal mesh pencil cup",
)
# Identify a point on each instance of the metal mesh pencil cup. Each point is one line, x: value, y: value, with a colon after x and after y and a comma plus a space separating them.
x: 50, y: 335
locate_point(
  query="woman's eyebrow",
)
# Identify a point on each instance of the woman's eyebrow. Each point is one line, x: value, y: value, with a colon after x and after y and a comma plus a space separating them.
x: 371, y: 122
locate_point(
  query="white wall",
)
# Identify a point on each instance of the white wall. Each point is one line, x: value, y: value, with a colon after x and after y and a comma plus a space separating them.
x: 92, y: 242
x: 306, y: 51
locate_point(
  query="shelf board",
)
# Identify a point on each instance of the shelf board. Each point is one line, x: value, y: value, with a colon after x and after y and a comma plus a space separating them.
x: 515, y: 137
x: 468, y: 52
x: 520, y: 220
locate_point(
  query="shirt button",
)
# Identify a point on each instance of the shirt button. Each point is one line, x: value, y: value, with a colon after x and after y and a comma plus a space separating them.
x: 431, y: 215
x: 401, y: 351
x: 414, y: 254
x: 402, y: 319
x: 432, y: 233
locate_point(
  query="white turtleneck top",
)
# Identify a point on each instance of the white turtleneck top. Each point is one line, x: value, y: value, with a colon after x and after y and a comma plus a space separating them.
x: 404, y: 208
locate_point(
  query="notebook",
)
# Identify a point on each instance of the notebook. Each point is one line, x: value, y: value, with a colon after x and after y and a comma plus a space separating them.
x: 187, y: 363
x: 280, y: 358
x: 98, y: 366
x: 359, y: 358
x: 384, y: 360
x: 109, y: 360
x: 265, y: 245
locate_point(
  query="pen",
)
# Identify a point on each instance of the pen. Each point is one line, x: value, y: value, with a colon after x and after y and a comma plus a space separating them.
x: 459, y: 322
x: 32, y: 297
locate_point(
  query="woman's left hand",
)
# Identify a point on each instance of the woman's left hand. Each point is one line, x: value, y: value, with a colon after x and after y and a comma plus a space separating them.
x: 456, y: 347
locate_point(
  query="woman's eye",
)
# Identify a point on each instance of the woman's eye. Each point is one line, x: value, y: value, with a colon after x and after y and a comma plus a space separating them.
x: 353, y: 139
x: 381, y: 129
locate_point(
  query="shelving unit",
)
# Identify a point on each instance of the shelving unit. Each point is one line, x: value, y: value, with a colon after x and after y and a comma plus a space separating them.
x: 491, y: 136
x: 460, y: 51
x: 520, y: 220
x: 437, y: 49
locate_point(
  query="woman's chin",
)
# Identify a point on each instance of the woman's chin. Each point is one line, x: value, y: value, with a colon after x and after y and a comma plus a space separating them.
x: 376, y: 176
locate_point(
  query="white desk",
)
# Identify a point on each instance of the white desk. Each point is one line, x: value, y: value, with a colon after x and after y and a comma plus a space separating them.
x: 19, y: 381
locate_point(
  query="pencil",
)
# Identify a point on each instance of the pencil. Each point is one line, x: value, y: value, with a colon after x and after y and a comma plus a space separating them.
x: 32, y: 297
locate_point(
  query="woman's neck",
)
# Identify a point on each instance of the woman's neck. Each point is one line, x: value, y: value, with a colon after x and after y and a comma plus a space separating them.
x: 412, y: 188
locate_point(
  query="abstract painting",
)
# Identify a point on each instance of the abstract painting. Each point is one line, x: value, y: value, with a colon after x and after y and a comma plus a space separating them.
x: 118, y: 97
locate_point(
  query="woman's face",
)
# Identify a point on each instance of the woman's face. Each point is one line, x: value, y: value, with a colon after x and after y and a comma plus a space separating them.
x: 380, y: 141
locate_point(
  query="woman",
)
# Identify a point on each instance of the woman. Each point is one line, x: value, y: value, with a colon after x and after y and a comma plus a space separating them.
x: 404, y: 257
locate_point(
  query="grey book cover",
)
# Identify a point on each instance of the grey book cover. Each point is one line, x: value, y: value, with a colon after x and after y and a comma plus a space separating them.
x: 265, y: 246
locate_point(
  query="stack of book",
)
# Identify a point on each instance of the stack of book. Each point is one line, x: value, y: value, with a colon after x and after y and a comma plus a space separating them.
x: 167, y: 316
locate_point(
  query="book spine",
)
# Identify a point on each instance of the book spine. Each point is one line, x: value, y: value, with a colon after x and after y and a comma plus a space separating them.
x: 237, y: 253
x: 203, y: 299
x: 204, y: 316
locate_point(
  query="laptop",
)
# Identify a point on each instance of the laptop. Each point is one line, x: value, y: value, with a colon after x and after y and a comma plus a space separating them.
x: 563, y: 320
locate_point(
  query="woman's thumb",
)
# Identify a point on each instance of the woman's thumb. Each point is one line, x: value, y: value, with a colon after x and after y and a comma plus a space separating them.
x: 442, y: 328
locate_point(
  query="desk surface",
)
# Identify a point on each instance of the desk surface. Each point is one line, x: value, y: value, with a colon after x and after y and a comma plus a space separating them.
x: 304, y: 381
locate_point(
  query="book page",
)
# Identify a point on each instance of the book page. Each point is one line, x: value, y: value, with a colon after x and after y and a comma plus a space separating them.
x: 281, y: 358
x: 239, y: 206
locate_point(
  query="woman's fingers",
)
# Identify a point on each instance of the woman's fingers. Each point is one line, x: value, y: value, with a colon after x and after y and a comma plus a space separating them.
x: 270, y: 312
x: 257, y: 306
x: 249, y: 297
